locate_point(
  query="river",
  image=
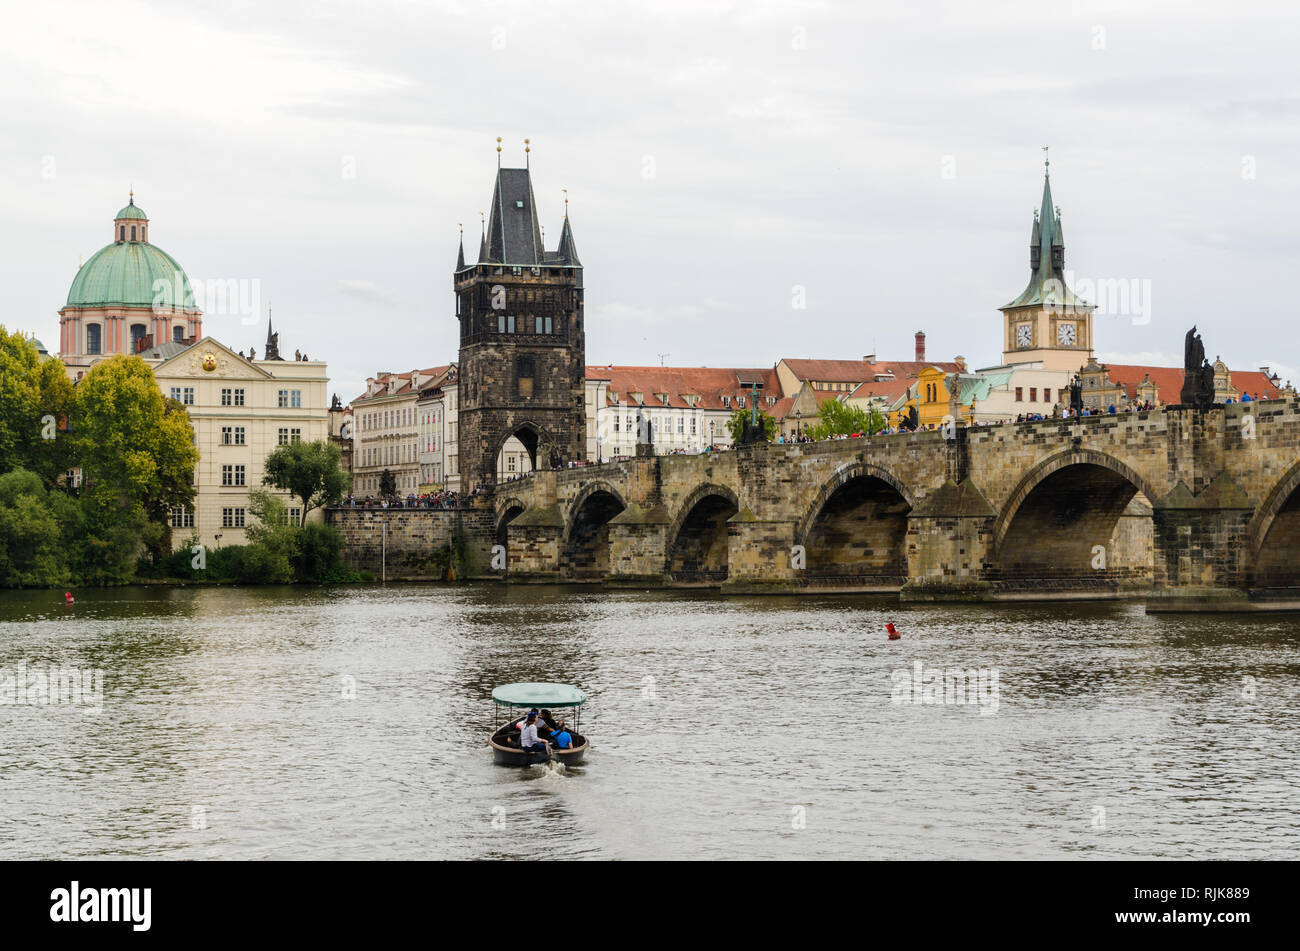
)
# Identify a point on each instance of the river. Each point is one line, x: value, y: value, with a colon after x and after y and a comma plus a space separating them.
x: 351, y: 723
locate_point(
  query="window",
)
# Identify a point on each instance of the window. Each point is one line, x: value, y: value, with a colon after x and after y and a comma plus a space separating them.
x: 182, y: 518
x: 1019, y: 394
x: 1033, y: 394
x: 289, y: 398
x: 232, y: 475
x: 293, y: 515
x: 1047, y: 394
x: 137, y: 335
x: 681, y: 425
x: 92, y: 338
x: 616, y: 422
x: 510, y: 323
x: 232, y: 397
x: 547, y: 325
x: 178, y: 334
x: 232, y: 435
x: 133, y: 232
x: 501, y: 323
x: 525, y: 369
x: 232, y: 518
x: 692, y: 425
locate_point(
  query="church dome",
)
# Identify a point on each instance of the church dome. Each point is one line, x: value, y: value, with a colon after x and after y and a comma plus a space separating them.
x: 131, y: 272
x: 127, y: 274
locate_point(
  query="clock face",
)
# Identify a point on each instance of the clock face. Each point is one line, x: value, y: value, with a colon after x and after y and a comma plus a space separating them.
x: 1024, y: 335
x: 1065, y: 335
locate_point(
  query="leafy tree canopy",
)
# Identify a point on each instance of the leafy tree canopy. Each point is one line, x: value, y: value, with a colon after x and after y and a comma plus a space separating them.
x: 310, y: 471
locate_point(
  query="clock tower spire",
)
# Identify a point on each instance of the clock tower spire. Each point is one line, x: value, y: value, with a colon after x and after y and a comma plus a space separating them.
x: 1047, y: 324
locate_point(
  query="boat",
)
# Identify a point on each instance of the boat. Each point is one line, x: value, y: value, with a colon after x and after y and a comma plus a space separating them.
x: 563, y: 700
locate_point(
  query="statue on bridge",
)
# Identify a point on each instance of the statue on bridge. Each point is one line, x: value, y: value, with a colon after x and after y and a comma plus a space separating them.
x: 912, y: 422
x: 1076, y: 395
x: 1198, y: 374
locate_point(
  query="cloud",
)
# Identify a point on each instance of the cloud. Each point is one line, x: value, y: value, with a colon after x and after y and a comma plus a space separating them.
x: 368, y: 291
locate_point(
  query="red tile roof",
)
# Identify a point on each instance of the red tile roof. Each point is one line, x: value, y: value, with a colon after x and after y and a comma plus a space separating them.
x: 708, y: 383
x: 862, y: 371
x: 1169, y: 381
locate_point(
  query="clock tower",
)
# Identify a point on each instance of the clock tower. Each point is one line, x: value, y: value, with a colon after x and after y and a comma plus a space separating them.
x: 1047, y: 323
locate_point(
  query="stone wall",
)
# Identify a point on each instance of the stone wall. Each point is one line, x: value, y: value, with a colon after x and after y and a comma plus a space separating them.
x: 422, y: 544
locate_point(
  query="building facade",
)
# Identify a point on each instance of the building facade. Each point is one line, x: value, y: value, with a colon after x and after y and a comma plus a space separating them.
x: 386, y: 431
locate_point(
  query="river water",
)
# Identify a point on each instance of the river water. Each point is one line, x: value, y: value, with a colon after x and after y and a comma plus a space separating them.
x: 351, y: 723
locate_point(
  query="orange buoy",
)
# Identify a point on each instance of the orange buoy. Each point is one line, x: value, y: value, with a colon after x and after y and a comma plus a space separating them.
x: 893, y: 632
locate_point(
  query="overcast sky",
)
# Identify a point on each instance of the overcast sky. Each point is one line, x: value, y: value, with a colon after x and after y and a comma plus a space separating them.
x: 885, y: 158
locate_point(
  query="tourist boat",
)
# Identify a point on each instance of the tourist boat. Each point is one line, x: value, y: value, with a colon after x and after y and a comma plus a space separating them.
x: 562, y: 700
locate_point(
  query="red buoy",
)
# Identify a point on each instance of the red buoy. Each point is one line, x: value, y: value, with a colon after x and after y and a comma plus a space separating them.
x: 893, y: 633
x: 67, y: 597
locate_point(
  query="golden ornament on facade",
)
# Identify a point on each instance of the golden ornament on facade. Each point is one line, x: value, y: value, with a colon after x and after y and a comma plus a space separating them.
x: 209, y: 362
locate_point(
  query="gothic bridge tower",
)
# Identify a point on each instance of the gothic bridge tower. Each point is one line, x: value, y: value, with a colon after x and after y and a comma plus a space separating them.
x: 522, y: 341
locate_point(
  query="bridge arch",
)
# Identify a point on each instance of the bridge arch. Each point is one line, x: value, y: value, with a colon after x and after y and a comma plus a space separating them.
x: 696, y: 544
x: 507, y: 510
x: 1274, y: 555
x: 1078, y: 519
x: 531, y: 436
x: 854, y: 532
x: 584, y: 554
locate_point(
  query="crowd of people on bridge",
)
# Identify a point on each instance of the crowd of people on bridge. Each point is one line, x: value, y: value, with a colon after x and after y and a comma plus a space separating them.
x: 425, y: 500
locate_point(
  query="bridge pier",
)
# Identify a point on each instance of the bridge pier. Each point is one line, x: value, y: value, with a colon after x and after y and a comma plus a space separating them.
x: 1200, y: 547
x: 534, y: 541
x: 949, y: 543
x: 759, y: 555
x: 638, y: 547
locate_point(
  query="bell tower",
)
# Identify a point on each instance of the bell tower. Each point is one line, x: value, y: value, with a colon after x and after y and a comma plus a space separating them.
x: 1047, y: 323
x: 523, y: 349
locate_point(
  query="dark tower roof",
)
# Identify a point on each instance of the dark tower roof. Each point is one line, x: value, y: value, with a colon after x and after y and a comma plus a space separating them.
x: 514, y: 236
x: 460, y: 257
x: 567, y: 253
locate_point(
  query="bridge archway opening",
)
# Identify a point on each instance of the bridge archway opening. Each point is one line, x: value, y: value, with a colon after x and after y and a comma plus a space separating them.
x: 1278, y: 563
x: 586, y: 549
x: 697, y: 554
x: 517, y: 455
x: 1083, y: 527
x: 512, y: 511
x: 858, y: 537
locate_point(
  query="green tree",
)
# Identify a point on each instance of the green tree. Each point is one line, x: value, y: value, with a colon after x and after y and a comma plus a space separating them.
x: 136, y: 449
x: 273, y: 540
x: 841, y: 419
x: 35, y: 399
x: 33, y: 550
x: 739, y: 419
x: 310, y: 471
x: 388, y: 483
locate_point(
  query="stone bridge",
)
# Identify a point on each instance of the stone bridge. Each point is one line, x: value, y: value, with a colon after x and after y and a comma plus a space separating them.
x: 1189, y: 508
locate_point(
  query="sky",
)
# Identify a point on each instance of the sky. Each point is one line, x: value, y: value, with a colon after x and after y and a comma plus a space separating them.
x: 747, y: 181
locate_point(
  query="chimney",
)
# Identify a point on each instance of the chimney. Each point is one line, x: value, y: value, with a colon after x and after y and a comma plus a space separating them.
x: 920, y: 346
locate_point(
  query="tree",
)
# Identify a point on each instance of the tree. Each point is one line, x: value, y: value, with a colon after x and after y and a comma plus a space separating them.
x: 841, y: 419
x: 739, y: 419
x: 310, y: 471
x: 35, y: 399
x: 33, y: 549
x: 388, y: 484
x: 135, y: 448
x: 273, y: 541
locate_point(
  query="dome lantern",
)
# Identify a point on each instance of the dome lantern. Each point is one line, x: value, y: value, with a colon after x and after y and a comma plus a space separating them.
x: 130, y: 224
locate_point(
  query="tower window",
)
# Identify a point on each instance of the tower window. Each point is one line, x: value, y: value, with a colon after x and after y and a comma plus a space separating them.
x: 92, y: 338
x: 178, y: 334
x: 137, y: 335
x: 121, y: 232
x: 133, y: 232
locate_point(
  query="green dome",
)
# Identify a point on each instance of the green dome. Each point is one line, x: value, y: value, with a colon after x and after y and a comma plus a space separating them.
x: 132, y: 211
x: 125, y: 273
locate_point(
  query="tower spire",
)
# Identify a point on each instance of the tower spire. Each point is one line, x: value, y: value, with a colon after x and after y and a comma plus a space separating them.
x: 460, y: 257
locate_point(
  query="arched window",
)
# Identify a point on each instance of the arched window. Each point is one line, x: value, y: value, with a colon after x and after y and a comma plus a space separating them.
x: 178, y: 334
x: 121, y: 232
x: 92, y: 338
x: 137, y: 334
x: 133, y: 232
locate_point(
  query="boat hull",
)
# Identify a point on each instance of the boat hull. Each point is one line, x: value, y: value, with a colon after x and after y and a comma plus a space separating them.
x: 504, y: 754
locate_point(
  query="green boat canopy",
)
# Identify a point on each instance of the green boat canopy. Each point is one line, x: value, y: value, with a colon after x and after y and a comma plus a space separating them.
x: 538, y: 695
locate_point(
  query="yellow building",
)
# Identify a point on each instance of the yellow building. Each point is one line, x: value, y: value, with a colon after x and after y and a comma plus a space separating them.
x: 931, y: 394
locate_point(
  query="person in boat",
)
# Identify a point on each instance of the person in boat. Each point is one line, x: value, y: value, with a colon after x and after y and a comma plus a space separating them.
x: 547, y: 726
x: 529, y: 742
x: 561, y: 736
